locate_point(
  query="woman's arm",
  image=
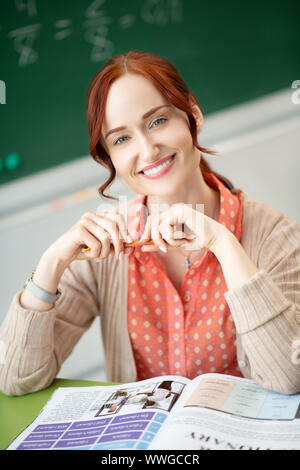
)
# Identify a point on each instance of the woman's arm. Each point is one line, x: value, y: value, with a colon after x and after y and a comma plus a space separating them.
x: 236, y: 265
x: 265, y: 303
x: 36, y: 343
x: 36, y: 337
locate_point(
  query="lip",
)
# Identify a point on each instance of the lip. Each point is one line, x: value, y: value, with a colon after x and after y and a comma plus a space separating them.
x: 159, y: 162
x: 163, y: 171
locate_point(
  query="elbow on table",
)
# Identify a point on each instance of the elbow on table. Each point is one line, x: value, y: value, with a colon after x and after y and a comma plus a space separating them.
x: 13, y: 385
x: 23, y: 387
x: 290, y: 385
x: 289, y: 389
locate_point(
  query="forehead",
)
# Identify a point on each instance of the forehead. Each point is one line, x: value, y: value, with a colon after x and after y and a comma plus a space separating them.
x: 129, y: 96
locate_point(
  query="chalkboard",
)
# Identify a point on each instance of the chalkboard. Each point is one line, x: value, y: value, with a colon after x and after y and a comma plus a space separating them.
x: 228, y: 52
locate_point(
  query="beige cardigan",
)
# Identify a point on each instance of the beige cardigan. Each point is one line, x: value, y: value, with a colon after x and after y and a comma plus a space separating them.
x: 266, y: 312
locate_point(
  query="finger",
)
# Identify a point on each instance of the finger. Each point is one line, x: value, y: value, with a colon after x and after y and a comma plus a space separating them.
x: 167, y: 232
x: 94, y: 225
x: 111, y: 251
x: 128, y: 251
x: 179, y: 215
x: 101, y: 236
x: 82, y: 236
x: 149, y: 248
x: 178, y: 235
x: 156, y: 235
x: 174, y: 238
x: 147, y: 230
x: 191, y: 219
x: 112, y: 228
x: 123, y: 229
x: 104, y: 221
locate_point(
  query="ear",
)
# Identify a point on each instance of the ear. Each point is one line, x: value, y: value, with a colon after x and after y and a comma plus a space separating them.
x: 197, y: 114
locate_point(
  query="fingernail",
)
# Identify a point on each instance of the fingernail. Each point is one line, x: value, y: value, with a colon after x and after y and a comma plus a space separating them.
x: 129, y: 239
x: 162, y: 248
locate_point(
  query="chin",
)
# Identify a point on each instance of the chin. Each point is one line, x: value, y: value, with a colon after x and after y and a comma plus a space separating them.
x: 167, y: 192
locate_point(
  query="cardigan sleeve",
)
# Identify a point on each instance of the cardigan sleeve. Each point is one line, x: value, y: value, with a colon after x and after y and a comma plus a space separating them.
x: 33, y: 345
x: 266, y: 310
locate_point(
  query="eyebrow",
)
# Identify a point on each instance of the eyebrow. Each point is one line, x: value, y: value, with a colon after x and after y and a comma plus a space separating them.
x: 145, y: 116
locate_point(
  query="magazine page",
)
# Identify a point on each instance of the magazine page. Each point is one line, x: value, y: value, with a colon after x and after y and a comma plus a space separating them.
x: 126, y: 416
x: 230, y: 413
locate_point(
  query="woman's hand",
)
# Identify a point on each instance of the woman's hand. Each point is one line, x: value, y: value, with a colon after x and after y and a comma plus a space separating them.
x: 103, y: 233
x: 203, y: 232
x: 199, y: 231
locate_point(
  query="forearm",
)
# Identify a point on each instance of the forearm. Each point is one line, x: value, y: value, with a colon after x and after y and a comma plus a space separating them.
x: 266, y: 321
x: 36, y: 343
x: 264, y: 317
x: 270, y: 356
x: 47, y: 276
x: 236, y: 265
x: 27, y: 340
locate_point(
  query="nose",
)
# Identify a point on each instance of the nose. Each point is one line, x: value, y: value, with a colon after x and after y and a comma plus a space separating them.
x: 148, y: 149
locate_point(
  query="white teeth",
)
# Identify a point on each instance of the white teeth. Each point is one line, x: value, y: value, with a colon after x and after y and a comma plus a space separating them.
x: 158, y: 168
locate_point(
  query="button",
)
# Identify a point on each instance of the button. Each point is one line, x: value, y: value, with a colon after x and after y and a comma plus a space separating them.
x: 242, y: 363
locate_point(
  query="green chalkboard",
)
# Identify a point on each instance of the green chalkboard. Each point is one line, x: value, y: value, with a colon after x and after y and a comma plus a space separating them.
x: 227, y: 51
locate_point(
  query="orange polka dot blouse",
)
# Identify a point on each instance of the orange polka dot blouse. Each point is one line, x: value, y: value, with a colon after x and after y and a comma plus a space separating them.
x: 185, y: 333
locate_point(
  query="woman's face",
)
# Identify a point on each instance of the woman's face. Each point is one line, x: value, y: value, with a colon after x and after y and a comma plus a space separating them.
x: 142, y: 131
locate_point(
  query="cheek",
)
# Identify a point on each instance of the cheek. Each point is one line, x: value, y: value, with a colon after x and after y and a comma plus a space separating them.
x: 182, y: 138
x: 123, y: 164
x: 181, y: 134
x: 119, y: 161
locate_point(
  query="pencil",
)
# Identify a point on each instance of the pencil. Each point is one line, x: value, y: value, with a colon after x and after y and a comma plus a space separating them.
x: 126, y: 245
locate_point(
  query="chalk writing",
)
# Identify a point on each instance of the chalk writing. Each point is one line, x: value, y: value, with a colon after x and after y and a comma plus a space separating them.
x: 24, y: 38
x: 162, y: 12
x: 96, y: 26
x: 64, y: 29
x: 28, y: 5
x: 126, y: 21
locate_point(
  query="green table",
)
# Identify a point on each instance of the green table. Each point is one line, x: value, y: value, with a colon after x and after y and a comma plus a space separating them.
x: 16, y: 412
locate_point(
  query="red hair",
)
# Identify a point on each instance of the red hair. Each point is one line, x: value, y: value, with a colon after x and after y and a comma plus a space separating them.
x: 164, y: 77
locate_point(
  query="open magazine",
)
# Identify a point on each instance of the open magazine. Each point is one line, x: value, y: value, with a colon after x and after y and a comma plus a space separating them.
x: 213, y: 411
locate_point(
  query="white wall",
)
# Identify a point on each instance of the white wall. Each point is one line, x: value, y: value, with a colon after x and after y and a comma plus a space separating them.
x: 259, y: 145
x: 23, y: 238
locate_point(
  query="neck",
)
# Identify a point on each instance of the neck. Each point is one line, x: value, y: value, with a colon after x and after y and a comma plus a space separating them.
x: 196, y: 192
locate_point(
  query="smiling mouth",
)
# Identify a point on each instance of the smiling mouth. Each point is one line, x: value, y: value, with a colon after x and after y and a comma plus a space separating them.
x: 159, y: 168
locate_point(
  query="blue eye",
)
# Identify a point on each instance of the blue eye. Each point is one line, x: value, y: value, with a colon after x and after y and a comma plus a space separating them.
x: 158, y: 120
x: 117, y: 142
x: 155, y: 123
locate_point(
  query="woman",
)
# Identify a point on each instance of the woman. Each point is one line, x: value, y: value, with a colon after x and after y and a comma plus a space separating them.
x: 217, y: 291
